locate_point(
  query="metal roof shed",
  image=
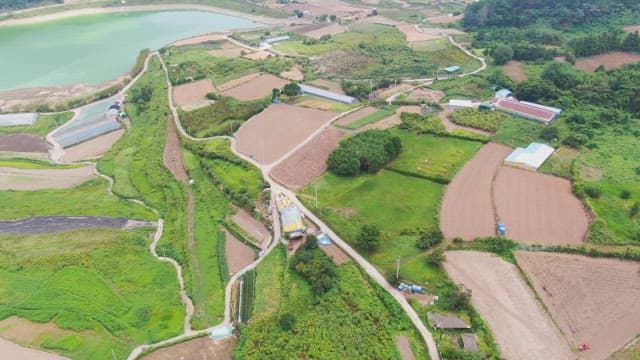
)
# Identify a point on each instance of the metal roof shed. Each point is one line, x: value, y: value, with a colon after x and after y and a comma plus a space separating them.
x: 531, y: 157
x: 312, y: 90
x: 451, y: 69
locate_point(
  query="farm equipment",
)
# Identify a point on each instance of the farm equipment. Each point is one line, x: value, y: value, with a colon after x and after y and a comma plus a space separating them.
x: 501, y: 229
x: 583, y: 347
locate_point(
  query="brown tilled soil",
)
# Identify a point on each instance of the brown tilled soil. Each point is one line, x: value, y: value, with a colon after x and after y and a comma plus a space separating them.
x: 256, y: 88
x: 467, y: 208
x: 276, y: 131
x: 610, y: 60
x: 21, y: 331
x: 429, y: 95
x: 197, y: 349
x: 402, y: 342
x: 538, y: 208
x: 386, y: 92
x: 258, y: 55
x: 593, y: 301
x: 413, y: 34
x: 356, y: 115
x: 93, y: 148
x: 320, y: 7
x: 172, y: 156
x: 235, y: 82
x: 253, y: 227
x: 514, y: 70
x: 193, y: 95
x: 631, y: 28
x: 294, y: 74
x: 444, y: 19
x: 335, y: 253
x: 10, y: 350
x: 309, y: 162
x: 331, y: 29
x: 520, y: 325
x: 238, y: 254
x: 36, y: 179
x: 198, y: 39
x: 23, y: 143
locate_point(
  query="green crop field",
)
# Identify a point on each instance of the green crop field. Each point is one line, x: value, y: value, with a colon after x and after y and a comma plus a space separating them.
x: 433, y: 156
x: 479, y: 119
x: 44, y: 125
x: 223, y: 117
x: 269, y: 281
x: 382, y: 113
x: 24, y: 163
x: 103, y: 286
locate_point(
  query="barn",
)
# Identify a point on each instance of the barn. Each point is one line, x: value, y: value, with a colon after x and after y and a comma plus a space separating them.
x: 531, y: 157
x: 528, y: 110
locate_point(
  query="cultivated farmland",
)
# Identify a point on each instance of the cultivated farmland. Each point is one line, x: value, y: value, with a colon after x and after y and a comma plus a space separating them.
x: 253, y: 227
x: 35, y: 179
x: 238, y: 254
x: 201, y: 348
x: 611, y: 60
x: 256, y: 88
x: 356, y: 115
x: 23, y: 143
x: 191, y: 95
x: 519, y: 323
x: 514, y: 70
x: 93, y: 148
x: 538, y: 208
x: 593, y: 301
x: 467, y: 208
x: 277, y: 130
x: 309, y: 162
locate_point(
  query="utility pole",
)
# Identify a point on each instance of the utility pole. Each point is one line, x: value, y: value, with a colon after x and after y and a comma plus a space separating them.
x: 398, y: 269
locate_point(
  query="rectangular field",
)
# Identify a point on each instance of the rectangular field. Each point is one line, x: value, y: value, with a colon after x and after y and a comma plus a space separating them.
x: 277, y: 130
x: 191, y: 95
x: 520, y: 325
x: 256, y: 88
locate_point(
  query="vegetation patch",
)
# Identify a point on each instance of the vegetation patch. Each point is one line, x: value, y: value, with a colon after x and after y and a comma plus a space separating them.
x: 366, y: 152
x: 44, y: 125
x: 382, y: 113
x: 479, y: 119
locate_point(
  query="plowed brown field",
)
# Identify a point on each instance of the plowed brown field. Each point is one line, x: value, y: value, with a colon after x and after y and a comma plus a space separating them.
x: 193, y: 95
x: 593, y: 301
x: 256, y: 88
x: 23, y: 143
x: 238, y: 254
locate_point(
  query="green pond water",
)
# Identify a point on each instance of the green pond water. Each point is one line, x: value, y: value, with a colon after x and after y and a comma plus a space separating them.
x: 95, y: 48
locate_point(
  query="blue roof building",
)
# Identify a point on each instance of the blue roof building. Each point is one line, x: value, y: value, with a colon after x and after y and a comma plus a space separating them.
x: 452, y: 69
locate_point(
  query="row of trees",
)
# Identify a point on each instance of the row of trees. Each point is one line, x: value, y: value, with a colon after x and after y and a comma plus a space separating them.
x: 367, y: 152
x: 603, y: 42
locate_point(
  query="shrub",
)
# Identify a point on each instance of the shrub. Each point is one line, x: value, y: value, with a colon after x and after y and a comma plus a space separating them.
x: 455, y: 299
x: 549, y: 133
x: 287, y: 321
x: 429, y: 239
x: 421, y: 124
x: 592, y: 191
x: 369, y: 237
x: 635, y: 209
x: 625, y: 194
x: 315, y: 266
x: 436, y: 258
x: 479, y: 119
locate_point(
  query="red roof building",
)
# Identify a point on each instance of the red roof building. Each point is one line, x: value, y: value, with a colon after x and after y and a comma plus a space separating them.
x: 544, y: 114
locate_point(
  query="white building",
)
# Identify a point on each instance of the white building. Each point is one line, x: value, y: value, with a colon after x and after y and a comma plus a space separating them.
x: 531, y: 157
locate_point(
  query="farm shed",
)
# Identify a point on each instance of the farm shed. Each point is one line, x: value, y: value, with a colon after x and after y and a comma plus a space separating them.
x: 460, y: 104
x: 312, y: 90
x: 503, y: 94
x: 531, y: 157
x: 290, y: 217
x: 528, y: 110
x: 451, y: 69
x: 18, y: 119
x: 470, y: 342
x: 277, y: 39
x: 440, y: 321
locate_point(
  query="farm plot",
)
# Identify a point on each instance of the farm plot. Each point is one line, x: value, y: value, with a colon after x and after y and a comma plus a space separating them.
x: 295, y: 74
x: 236, y: 82
x: 432, y: 96
x: 274, y: 132
x: 444, y: 19
x: 519, y: 323
x: 467, y: 207
x: 13, y: 351
x: 93, y: 148
x: 198, y: 39
x: 35, y: 179
x: 309, y: 162
x: 332, y: 86
x: 201, y: 348
x: 331, y: 29
x: 538, y: 208
x: 172, y: 157
x: 335, y: 253
x: 392, y: 120
x: 192, y: 95
x: 611, y: 60
x: 258, y: 55
x: 238, y: 254
x: 23, y: 143
x: 593, y: 301
x: 514, y: 70
x: 253, y: 227
x: 413, y: 34
x: 49, y: 224
x: 256, y: 88
x: 356, y: 115
x: 227, y: 49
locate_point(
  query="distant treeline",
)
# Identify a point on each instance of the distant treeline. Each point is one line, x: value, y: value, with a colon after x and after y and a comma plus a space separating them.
x: 23, y: 4
x: 603, y: 42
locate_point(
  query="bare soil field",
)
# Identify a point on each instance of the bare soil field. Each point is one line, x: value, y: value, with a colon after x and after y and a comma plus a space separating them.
x: 197, y: 349
x: 538, y: 208
x: 23, y: 143
x: 335, y: 253
x: 429, y: 95
x: 192, y: 95
x: 393, y: 120
x: 514, y: 70
x: 356, y: 115
x: 93, y: 148
x: 467, y: 208
x: 294, y: 74
x: 172, y: 157
x: 228, y: 50
x: 309, y: 162
x: 277, y: 130
x: 413, y: 34
x: 610, y: 60
x: 256, y: 88
x: 10, y: 350
x: 333, y: 86
x: 631, y: 28
x: 380, y: 20
x: 402, y: 342
x: 198, y: 39
x: 593, y: 301
x: 520, y: 325
x: 444, y: 19
x: 252, y: 226
x: 386, y: 92
x: 331, y: 29
x: 235, y: 82
x: 258, y: 55
x: 238, y: 254
x: 15, y: 330
x: 49, y: 224
x: 36, y: 179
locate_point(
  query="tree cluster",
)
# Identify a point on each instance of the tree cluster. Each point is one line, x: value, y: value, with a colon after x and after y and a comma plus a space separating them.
x: 367, y: 152
x: 315, y: 266
x: 604, y: 42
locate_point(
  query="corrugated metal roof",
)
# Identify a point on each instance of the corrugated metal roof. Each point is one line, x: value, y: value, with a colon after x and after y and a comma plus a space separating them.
x: 470, y: 342
x: 527, y: 110
x: 277, y: 39
x: 312, y: 90
x: 291, y: 219
x: 460, y: 103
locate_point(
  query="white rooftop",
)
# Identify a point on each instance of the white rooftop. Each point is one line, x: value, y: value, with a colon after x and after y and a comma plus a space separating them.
x: 460, y: 103
x: 531, y: 157
x: 18, y: 119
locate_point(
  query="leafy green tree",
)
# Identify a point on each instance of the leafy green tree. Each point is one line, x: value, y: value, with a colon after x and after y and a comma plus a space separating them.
x: 291, y: 90
x: 436, y: 258
x: 456, y: 299
x: 429, y: 239
x: 287, y: 321
x: 502, y: 54
x: 369, y: 237
x: 534, y: 89
x: 563, y: 76
x: 368, y: 152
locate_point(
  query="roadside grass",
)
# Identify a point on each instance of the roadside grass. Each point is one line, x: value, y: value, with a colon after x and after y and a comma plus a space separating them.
x: 358, y: 316
x: 44, y: 125
x: 269, y: 281
x: 83, y: 282
x: 382, y: 113
x: 469, y: 87
x: 24, y: 163
x: 433, y: 156
x: 479, y: 119
x: 88, y: 199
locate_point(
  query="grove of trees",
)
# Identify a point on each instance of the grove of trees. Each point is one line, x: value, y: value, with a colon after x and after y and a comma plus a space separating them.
x: 367, y: 152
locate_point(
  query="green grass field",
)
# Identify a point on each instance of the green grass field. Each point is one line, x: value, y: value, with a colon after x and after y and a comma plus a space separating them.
x: 518, y: 132
x: 469, y: 87
x: 269, y: 283
x: 22, y: 163
x: 479, y: 119
x: 44, y: 125
x: 382, y: 113
x: 101, y: 285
